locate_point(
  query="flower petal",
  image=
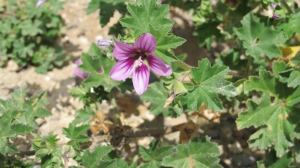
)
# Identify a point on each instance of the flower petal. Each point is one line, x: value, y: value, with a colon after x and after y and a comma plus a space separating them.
x: 158, y: 66
x: 140, y: 79
x: 122, y: 70
x: 40, y: 2
x: 146, y: 42
x: 77, y: 72
x: 123, y: 51
x: 78, y: 62
x: 276, y: 16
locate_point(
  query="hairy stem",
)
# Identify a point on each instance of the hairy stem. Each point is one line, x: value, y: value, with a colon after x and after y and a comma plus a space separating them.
x: 183, y: 65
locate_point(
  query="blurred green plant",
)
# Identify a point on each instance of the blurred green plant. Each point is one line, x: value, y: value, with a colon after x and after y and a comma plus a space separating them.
x: 17, y: 117
x: 29, y: 34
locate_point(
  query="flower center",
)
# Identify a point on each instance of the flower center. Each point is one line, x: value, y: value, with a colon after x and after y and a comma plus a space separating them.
x: 140, y: 56
x: 139, y: 61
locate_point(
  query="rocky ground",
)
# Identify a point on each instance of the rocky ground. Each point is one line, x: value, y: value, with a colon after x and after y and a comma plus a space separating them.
x: 81, y: 31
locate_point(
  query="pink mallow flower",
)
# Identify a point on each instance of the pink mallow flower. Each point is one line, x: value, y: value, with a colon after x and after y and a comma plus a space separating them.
x: 40, y: 2
x: 136, y: 61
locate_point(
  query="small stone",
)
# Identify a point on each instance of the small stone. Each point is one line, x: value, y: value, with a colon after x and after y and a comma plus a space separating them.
x: 12, y: 65
x: 243, y: 160
x: 235, y: 147
x: 213, y: 134
x: 23, y: 147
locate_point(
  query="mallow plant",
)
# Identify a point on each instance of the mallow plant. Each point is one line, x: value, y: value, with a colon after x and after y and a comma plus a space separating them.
x: 260, y: 73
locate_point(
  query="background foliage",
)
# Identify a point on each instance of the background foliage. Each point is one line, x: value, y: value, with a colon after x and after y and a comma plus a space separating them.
x: 260, y: 73
x: 29, y: 35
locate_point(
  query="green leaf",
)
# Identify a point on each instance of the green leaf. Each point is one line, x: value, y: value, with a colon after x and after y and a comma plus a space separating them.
x: 5, y: 123
x: 277, y: 120
x: 232, y: 59
x: 259, y: 39
x: 107, y: 10
x: 32, y: 109
x: 154, y: 155
x: 233, y: 17
x: 197, y: 153
x: 31, y: 28
x: 266, y: 83
x: 52, y: 139
x: 94, y: 159
x: 148, y: 17
x: 83, y: 116
x: 297, y: 150
x: 273, y: 162
x: 145, y: 15
x: 96, y: 79
x: 157, y: 95
x: 93, y: 6
x: 294, y: 79
x: 6, y: 147
x: 296, y: 59
x: 18, y: 96
x: 75, y: 134
x: 164, y: 44
x: 94, y: 50
x: 290, y: 25
x: 21, y: 129
x: 279, y: 67
x: 210, y: 82
x: 207, y: 32
x: 92, y: 64
x: 23, y: 50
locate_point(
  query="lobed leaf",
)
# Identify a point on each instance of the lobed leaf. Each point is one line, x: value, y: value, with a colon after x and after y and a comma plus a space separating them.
x: 197, y: 153
x: 75, y: 134
x: 278, y: 120
x: 210, y: 82
x: 99, y: 66
x: 94, y: 159
x: 148, y: 17
x: 157, y: 95
x: 290, y: 25
x: 259, y: 39
x: 6, y: 147
x: 154, y: 155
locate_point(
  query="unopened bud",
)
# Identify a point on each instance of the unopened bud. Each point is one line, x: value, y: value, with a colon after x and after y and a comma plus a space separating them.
x: 276, y: 16
x: 104, y: 42
x: 40, y: 2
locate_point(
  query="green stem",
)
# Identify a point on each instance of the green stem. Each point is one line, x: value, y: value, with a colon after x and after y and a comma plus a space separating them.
x: 283, y: 2
x: 183, y: 65
x: 249, y: 69
x: 185, y: 75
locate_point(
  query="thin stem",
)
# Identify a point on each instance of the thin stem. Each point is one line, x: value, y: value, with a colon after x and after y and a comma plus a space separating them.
x: 283, y: 2
x: 185, y: 75
x: 184, y: 65
x: 249, y: 67
x: 236, y: 73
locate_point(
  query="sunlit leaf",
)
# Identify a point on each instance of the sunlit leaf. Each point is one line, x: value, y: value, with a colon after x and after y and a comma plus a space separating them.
x: 210, y: 82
